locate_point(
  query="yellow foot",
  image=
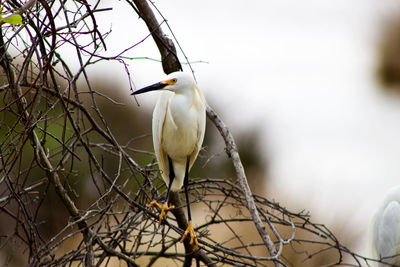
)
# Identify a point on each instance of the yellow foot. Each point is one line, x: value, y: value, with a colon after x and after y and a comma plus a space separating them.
x: 164, y: 209
x: 193, y: 238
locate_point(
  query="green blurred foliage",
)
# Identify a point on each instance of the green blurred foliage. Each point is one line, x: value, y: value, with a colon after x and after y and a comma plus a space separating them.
x: 11, y: 19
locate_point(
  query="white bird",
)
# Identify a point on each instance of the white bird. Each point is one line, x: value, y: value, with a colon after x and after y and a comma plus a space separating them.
x: 386, y: 229
x: 179, y: 121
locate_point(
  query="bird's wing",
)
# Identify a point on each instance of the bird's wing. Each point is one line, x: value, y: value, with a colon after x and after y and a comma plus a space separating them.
x: 200, y: 104
x: 387, y: 240
x: 374, y: 232
x: 159, y: 113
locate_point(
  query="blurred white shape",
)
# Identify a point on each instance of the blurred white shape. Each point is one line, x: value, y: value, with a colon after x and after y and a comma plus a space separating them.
x: 386, y: 229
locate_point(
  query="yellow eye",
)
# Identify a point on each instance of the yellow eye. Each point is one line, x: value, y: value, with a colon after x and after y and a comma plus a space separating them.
x: 170, y: 82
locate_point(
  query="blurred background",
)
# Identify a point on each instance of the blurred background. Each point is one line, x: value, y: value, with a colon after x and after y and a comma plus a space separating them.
x: 313, y: 84
x: 310, y: 91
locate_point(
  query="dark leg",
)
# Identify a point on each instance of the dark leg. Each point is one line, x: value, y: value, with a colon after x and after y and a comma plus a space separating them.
x: 164, y: 208
x: 186, y: 184
x: 171, y: 178
x: 190, y: 229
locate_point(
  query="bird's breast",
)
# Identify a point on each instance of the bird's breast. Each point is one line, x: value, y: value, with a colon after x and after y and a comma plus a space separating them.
x: 180, y: 133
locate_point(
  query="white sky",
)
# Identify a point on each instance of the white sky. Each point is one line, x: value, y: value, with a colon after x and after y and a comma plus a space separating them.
x: 302, y: 71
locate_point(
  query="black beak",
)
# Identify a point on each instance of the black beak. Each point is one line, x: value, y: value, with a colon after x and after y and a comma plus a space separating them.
x: 149, y: 88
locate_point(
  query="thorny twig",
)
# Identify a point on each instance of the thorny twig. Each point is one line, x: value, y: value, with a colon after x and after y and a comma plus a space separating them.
x: 69, y: 182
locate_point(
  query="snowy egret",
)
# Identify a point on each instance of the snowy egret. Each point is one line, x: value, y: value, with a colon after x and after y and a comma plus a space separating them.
x: 386, y: 229
x: 179, y: 121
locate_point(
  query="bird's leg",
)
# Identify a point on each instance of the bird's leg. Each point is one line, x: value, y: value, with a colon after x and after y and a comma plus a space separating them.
x: 190, y: 229
x: 164, y: 208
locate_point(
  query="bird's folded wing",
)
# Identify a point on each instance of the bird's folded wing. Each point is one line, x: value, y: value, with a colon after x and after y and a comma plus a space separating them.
x: 200, y: 104
x: 159, y: 113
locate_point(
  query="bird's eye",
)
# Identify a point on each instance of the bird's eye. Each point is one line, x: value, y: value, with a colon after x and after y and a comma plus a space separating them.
x: 170, y: 81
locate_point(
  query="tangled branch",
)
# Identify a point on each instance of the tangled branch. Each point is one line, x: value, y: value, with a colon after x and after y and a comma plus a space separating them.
x: 74, y: 192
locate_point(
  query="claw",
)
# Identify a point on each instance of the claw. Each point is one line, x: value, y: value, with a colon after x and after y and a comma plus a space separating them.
x: 193, y: 238
x: 164, y: 209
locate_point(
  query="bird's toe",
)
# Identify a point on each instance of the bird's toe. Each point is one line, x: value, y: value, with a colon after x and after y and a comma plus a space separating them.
x: 164, y: 209
x: 193, y: 239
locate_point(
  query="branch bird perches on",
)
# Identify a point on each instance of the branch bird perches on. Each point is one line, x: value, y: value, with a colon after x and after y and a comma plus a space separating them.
x: 56, y: 136
x: 171, y: 64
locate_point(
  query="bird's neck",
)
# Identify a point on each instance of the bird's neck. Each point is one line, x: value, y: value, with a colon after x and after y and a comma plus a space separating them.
x: 181, y: 105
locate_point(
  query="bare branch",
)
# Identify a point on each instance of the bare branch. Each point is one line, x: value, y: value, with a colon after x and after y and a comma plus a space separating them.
x: 165, y: 45
x: 62, y: 140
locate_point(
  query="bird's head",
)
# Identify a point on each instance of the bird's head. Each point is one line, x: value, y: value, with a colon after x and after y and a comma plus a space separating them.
x: 175, y: 82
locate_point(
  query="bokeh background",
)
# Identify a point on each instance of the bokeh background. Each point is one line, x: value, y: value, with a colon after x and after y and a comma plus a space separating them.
x: 314, y: 83
x: 310, y: 89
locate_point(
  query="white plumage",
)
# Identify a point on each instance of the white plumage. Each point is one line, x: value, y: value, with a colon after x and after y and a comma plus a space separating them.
x: 386, y: 229
x: 179, y: 121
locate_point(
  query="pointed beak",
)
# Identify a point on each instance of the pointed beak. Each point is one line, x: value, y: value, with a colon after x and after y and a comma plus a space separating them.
x: 149, y: 88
